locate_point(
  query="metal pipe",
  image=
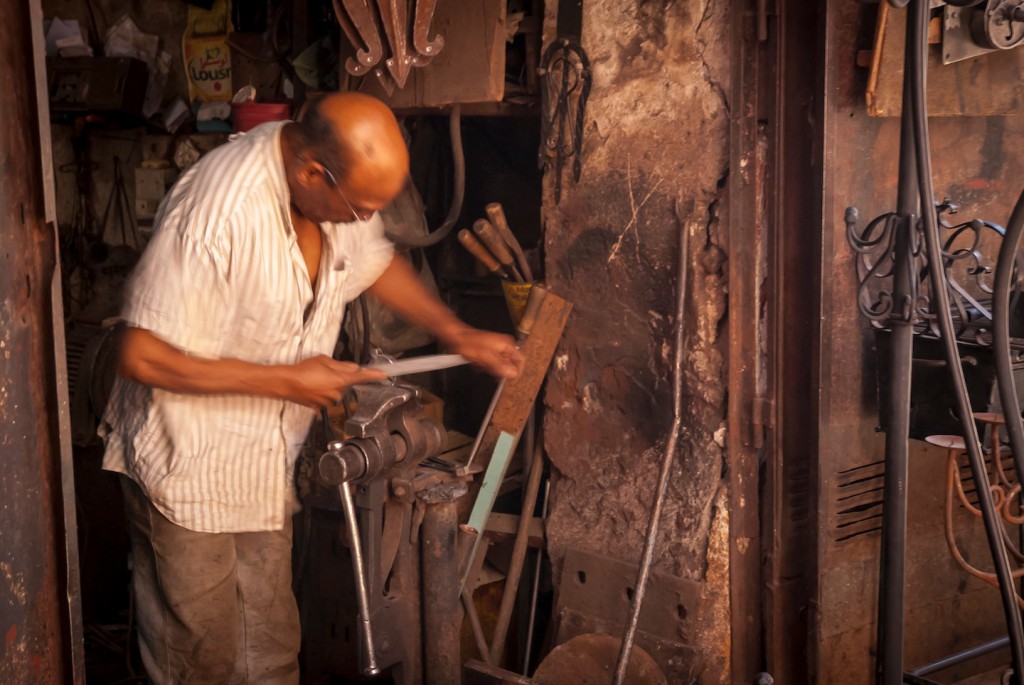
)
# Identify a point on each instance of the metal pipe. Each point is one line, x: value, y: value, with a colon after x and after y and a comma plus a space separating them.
x: 960, y: 657
x: 459, y: 190
x: 441, y: 619
x: 1001, y: 345
x: 993, y: 527
x: 359, y: 568
x: 892, y: 571
x: 643, y: 573
x: 1001, y: 335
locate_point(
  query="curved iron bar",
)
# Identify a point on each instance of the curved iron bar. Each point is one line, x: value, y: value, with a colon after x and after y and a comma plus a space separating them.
x: 953, y: 483
x: 918, y: 19
x: 874, y: 262
x: 874, y: 246
x: 1005, y: 272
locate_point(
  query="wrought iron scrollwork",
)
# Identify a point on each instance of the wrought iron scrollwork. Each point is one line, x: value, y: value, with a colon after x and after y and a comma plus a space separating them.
x: 967, y: 268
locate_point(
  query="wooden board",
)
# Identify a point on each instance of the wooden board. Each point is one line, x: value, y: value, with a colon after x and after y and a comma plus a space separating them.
x: 470, y: 67
x: 987, y: 85
x: 479, y: 673
x: 516, y: 401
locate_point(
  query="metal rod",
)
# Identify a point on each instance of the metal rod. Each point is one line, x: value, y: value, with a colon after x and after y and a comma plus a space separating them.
x: 485, y: 423
x: 1001, y: 345
x: 536, y: 587
x: 644, y: 571
x: 911, y: 679
x: 993, y: 526
x: 441, y: 619
x: 960, y: 657
x: 352, y: 525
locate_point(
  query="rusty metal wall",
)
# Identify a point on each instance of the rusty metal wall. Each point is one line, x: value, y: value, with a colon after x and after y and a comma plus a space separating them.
x: 793, y: 203
x: 979, y: 163
x: 655, y: 162
x: 38, y: 588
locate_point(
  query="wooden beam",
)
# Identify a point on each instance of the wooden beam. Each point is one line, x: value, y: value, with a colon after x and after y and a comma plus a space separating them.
x: 478, y: 673
x: 500, y: 526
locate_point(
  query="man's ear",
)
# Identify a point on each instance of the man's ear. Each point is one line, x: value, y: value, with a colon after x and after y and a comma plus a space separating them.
x: 307, y: 173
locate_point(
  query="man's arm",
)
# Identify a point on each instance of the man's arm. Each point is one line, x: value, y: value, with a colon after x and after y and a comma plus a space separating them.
x: 315, y: 382
x: 399, y: 289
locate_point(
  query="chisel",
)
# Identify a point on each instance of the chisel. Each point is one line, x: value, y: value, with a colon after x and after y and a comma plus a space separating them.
x: 490, y: 238
x: 497, y: 216
x: 477, y: 249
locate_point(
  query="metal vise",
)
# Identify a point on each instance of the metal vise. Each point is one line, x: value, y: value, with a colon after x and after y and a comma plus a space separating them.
x: 388, y: 437
x: 387, y: 428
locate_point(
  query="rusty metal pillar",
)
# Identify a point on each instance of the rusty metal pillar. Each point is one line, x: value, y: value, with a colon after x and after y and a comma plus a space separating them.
x: 39, y: 614
x: 442, y: 619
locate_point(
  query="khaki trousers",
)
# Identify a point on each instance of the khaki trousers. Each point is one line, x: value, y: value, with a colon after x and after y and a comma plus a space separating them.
x: 213, y: 608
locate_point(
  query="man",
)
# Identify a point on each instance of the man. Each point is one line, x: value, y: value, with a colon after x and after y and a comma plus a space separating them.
x: 232, y: 313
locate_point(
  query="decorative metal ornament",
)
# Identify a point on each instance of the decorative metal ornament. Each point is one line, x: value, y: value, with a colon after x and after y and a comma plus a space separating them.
x: 380, y: 30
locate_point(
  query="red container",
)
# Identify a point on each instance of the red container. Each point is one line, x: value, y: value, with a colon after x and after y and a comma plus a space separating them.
x: 248, y: 115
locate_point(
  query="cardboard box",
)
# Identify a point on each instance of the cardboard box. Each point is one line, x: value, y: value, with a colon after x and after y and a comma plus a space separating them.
x: 152, y: 184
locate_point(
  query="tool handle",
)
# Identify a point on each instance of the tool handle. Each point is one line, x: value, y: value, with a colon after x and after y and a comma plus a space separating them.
x: 359, y: 570
x: 497, y: 216
x: 477, y: 249
x: 533, y: 304
x: 489, y: 237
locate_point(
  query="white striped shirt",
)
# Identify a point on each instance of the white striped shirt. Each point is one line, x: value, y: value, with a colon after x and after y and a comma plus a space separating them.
x: 223, y: 277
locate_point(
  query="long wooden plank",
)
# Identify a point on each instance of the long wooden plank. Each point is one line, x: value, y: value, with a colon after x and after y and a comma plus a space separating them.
x: 516, y: 401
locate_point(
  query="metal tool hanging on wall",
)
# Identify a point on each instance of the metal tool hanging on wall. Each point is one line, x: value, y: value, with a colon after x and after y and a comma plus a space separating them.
x: 380, y: 30
x: 565, y: 86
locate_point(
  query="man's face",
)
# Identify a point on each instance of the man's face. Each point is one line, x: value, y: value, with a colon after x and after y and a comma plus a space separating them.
x: 341, y: 200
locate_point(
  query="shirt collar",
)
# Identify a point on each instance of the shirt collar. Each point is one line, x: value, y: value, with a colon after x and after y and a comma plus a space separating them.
x: 271, y: 138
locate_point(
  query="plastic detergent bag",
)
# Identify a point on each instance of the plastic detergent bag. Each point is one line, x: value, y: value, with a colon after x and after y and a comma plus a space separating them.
x: 204, y: 47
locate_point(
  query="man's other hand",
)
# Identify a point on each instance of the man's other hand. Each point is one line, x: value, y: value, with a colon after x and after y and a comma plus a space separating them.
x: 494, y: 351
x: 321, y: 381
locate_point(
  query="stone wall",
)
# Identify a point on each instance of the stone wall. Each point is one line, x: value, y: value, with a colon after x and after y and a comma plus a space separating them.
x: 655, y: 162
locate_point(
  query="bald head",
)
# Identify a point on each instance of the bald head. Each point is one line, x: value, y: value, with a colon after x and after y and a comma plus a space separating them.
x: 358, y: 139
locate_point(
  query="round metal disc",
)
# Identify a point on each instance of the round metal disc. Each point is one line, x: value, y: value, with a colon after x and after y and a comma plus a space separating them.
x: 590, y: 660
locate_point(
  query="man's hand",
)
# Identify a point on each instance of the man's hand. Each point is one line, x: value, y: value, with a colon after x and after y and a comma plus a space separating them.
x: 401, y: 290
x: 494, y: 351
x: 321, y: 381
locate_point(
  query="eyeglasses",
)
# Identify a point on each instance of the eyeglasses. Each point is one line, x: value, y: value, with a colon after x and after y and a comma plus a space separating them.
x: 361, y: 214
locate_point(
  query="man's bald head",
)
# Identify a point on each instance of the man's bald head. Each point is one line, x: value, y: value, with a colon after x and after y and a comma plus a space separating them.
x: 358, y: 139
